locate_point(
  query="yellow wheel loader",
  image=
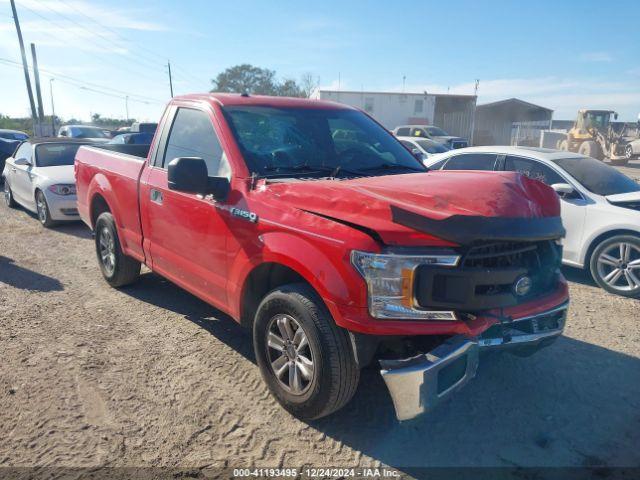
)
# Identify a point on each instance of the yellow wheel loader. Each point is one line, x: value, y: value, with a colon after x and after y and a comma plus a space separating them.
x: 593, y: 135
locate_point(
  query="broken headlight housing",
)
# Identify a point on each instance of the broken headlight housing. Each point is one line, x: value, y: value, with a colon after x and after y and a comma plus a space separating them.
x: 390, y: 281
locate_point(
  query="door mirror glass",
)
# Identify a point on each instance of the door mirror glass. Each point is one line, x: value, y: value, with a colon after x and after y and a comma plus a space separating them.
x: 563, y: 189
x: 22, y: 161
x: 189, y: 175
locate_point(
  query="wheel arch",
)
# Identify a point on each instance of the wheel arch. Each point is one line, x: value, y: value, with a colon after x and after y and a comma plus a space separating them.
x: 602, y: 237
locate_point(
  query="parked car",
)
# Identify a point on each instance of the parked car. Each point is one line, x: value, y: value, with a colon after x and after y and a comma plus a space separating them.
x: 39, y: 177
x: 144, y: 127
x: 334, y: 251
x: 89, y: 132
x: 7, y: 147
x: 432, y: 132
x: 6, y: 134
x: 600, y: 207
x: 632, y: 149
x: 423, y: 148
x: 133, y: 139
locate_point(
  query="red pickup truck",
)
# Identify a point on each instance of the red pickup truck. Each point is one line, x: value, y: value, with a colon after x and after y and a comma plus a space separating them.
x: 311, y: 224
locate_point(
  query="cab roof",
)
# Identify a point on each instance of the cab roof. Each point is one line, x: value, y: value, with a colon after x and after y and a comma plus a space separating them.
x: 236, y: 99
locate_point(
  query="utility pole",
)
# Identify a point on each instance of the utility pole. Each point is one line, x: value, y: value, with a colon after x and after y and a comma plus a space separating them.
x: 404, y: 82
x: 36, y: 77
x: 126, y: 106
x: 475, y: 90
x: 24, y: 63
x: 53, y: 110
x: 170, y: 79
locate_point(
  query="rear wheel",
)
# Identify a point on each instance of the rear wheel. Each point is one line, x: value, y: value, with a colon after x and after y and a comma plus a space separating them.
x: 43, y: 210
x: 8, y: 195
x: 117, y: 268
x: 591, y: 149
x: 305, y: 359
x: 615, y: 265
x: 563, y: 145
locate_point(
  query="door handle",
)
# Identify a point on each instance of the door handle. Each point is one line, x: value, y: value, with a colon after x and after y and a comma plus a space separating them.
x: 156, y: 196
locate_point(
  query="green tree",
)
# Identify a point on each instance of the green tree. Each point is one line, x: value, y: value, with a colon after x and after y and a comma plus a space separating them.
x: 255, y: 80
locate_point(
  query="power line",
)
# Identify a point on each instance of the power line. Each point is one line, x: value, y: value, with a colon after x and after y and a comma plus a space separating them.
x: 182, y: 72
x: 90, y: 86
x: 62, y: 27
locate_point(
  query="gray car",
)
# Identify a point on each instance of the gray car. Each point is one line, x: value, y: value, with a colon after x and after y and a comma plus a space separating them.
x: 431, y: 132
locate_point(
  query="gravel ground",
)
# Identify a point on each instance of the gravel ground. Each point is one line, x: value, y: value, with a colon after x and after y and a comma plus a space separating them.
x: 151, y: 376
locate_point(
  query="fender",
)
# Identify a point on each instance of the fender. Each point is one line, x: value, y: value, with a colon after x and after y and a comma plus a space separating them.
x: 321, y: 270
x: 130, y: 240
x: 619, y: 227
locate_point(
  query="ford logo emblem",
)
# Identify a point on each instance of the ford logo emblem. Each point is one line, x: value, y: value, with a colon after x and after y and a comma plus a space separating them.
x: 522, y: 286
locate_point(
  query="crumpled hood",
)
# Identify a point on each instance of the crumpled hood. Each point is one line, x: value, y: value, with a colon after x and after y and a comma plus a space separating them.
x: 437, y: 195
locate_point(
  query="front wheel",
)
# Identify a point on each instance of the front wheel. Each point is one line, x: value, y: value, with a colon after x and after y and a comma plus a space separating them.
x: 305, y: 359
x: 628, y: 152
x: 43, y: 210
x: 117, y: 268
x: 615, y: 265
x: 8, y: 195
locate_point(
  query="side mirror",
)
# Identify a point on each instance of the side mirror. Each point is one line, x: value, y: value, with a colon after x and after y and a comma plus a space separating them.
x: 563, y: 189
x: 22, y: 161
x: 190, y: 175
x: 418, y: 154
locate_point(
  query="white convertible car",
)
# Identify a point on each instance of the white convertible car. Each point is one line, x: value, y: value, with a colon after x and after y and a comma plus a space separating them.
x: 40, y: 177
x: 600, y: 206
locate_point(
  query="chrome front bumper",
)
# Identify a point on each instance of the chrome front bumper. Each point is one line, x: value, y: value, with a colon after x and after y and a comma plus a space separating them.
x: 419, y: 383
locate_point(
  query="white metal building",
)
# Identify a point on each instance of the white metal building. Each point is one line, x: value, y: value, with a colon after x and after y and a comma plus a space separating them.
x: 453, y: 113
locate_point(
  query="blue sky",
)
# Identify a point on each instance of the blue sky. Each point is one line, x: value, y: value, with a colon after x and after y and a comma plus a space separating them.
x: 557, y: 54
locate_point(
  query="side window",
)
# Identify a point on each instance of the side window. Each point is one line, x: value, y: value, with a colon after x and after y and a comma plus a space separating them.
x: 403, y: 132
x: 418, y: 106
x: 532, y: 169
x: 471, y: 161
x: 192, y: 135
x: 24, y: 151
x: 438, y: 165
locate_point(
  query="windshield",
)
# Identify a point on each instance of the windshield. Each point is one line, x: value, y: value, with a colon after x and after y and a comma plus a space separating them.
x: 597, y: 177
x: 295, y: 142
x: 432, y: 147
x: 56, y: 154
x: 14, y: 135
x: 88, y: 132
x: 437, y: 132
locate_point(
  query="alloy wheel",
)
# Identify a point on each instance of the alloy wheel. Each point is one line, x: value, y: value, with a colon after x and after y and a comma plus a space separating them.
x: 290, y: 355
x: 619, y: 266
x: 107, y: 250
x: 628, y: 152
x: 41, y: 205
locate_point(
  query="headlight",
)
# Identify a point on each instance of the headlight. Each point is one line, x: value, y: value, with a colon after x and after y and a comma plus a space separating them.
x: 63, y: 189
x: 390, y: 279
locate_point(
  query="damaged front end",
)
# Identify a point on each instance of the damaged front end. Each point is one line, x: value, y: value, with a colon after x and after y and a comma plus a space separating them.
x: 417, y: 384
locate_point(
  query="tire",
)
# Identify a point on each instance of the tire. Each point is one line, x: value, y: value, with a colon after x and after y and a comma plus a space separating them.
x: 563, y: 145
x: 8, y: 195
x: 117, y: 268
x: 591, y: 149
x: 616, y: 268
x: 334, y: 374
x: 628, y: 152
x: 42, y: 207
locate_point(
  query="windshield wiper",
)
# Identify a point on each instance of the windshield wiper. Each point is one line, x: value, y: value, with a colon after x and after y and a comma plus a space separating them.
x: 386, y: 166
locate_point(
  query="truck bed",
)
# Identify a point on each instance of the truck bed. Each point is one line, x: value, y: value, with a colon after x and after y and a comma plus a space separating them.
x: 116, y: 169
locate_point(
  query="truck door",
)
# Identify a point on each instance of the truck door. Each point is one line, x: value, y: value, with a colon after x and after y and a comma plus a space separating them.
x: 185, y: 235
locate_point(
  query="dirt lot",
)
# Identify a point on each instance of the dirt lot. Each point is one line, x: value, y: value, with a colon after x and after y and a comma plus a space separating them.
x: 151, y: 376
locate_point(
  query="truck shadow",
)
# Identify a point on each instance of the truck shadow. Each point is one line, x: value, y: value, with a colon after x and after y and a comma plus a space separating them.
x: 556, y: 408
x: 25, y: 279
x: 155, y: 290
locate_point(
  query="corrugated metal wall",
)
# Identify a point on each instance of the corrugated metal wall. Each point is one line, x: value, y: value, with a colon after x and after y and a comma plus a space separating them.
x: 455, y: 115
